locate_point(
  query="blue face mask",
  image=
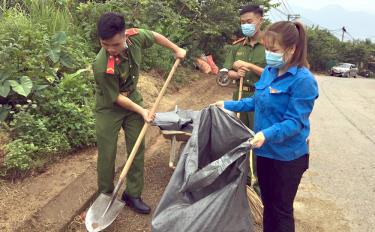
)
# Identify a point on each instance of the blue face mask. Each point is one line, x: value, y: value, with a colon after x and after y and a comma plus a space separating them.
x: 248, y: 29
x: 275, y: 60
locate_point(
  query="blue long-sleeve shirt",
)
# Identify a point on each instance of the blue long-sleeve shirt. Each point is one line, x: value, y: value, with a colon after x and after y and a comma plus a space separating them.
x: 282, y: 106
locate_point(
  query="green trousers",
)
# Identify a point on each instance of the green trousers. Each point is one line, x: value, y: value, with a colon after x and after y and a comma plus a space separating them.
x: 108, y: 125
x: 248, y: 119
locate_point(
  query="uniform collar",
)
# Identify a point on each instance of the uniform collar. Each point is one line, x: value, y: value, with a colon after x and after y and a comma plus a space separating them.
x: 113, y: 60
x: 124, y: 54
x: 291, y: 70
x: 247, y: 42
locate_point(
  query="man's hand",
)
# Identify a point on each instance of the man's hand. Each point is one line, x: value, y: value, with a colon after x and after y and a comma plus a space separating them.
x: 233, y: 75
x: 147, y: 116
x: 180, y: 53
x: 241, y: 64
x: 242, y: 72
x: 258, y: 140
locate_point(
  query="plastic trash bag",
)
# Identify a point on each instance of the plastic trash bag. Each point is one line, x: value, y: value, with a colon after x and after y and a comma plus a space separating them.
x: 207, y: 191
x: 178, y: 120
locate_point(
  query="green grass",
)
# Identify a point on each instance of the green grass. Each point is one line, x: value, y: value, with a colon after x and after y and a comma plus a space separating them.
x: 47, y: 12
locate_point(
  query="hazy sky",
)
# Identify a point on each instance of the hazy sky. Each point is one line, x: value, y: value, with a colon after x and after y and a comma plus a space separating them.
x: 352, y: 5
x: 358, y: 16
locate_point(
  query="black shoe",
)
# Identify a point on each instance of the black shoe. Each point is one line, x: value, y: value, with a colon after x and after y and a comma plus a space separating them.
x: 136, y: 204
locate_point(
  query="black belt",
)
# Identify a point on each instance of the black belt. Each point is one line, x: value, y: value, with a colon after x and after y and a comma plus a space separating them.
x: 128, y: 91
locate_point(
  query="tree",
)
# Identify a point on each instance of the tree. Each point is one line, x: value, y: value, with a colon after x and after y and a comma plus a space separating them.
x: 325, y: 50
x: 357, y: 52
x: 322, y: 48
x: 202, y: 26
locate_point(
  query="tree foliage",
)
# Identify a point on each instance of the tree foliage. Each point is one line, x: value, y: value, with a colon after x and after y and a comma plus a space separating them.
x: 325, y: 50
x: 46, y: 87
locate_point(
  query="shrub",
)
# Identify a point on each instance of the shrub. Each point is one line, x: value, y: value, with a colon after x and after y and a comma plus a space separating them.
x: 59, y: 120
x: 17, y: 155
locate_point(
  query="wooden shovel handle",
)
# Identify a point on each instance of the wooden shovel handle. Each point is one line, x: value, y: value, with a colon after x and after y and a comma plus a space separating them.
x: 141, y: 135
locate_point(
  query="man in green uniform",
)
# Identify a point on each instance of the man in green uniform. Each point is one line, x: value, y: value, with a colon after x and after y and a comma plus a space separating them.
x: 119, y: 103
x: 246, y: 59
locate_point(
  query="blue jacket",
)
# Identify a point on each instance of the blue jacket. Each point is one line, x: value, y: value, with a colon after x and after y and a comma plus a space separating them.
x: 282, y: 106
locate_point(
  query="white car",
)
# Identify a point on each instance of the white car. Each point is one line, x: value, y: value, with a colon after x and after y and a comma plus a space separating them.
x: 344, y: 70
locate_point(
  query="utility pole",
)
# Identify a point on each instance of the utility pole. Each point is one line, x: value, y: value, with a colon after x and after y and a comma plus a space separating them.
x: 343, y: 32
x: 292, y: 17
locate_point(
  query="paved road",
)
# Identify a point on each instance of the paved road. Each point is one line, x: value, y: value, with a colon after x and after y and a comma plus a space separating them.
x: 338, y: 191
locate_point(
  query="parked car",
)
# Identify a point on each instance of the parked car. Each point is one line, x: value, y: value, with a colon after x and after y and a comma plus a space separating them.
x: 344, y: 70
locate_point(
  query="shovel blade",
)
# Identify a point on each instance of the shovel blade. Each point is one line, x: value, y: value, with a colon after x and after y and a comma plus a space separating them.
x: 96, y: 218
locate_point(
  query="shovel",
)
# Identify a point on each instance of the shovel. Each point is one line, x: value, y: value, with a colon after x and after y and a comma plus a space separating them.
x: 105, y: 208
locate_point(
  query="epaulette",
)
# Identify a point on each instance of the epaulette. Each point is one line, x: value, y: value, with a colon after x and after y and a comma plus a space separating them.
x: 132, y: 31
x: 239, y: 40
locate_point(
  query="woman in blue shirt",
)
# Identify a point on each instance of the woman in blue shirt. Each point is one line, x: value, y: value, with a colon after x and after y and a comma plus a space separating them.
x: 282, y: 103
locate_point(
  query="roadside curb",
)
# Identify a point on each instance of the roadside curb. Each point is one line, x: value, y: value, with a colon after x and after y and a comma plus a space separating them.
x: 80, y: 193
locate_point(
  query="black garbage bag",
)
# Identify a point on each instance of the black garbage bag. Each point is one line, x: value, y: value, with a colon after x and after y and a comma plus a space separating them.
x: 178, y: 120
x: 207, y: 191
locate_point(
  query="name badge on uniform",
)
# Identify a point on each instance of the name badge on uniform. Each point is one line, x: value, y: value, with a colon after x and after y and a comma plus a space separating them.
x: 272, y: 90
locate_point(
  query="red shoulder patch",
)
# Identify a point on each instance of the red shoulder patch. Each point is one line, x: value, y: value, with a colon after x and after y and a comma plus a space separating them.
x: 239, y: 40
x: 132, y: 31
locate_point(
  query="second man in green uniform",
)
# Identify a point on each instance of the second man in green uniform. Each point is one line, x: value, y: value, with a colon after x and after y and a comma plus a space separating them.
x: 246, y: 59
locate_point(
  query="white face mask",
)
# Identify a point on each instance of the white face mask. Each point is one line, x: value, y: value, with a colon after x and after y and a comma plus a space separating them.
x: 275, y: 60
x: 248, y: 29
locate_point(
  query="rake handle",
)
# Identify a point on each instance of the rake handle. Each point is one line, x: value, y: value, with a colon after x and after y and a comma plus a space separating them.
x: 240, y: 93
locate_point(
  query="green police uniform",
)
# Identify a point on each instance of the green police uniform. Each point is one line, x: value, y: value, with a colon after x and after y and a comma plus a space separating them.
x: 242, y: 50
x: 114, y: 76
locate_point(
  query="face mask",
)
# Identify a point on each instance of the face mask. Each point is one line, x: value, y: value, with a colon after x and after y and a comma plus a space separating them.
x: 126, y: 45
x: 275, y: 60
x: 248, y: 29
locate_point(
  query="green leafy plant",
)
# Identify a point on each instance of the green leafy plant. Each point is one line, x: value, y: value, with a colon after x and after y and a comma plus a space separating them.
x: 60, y: 120
x: 23, y: 87
x: 17, y: 155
